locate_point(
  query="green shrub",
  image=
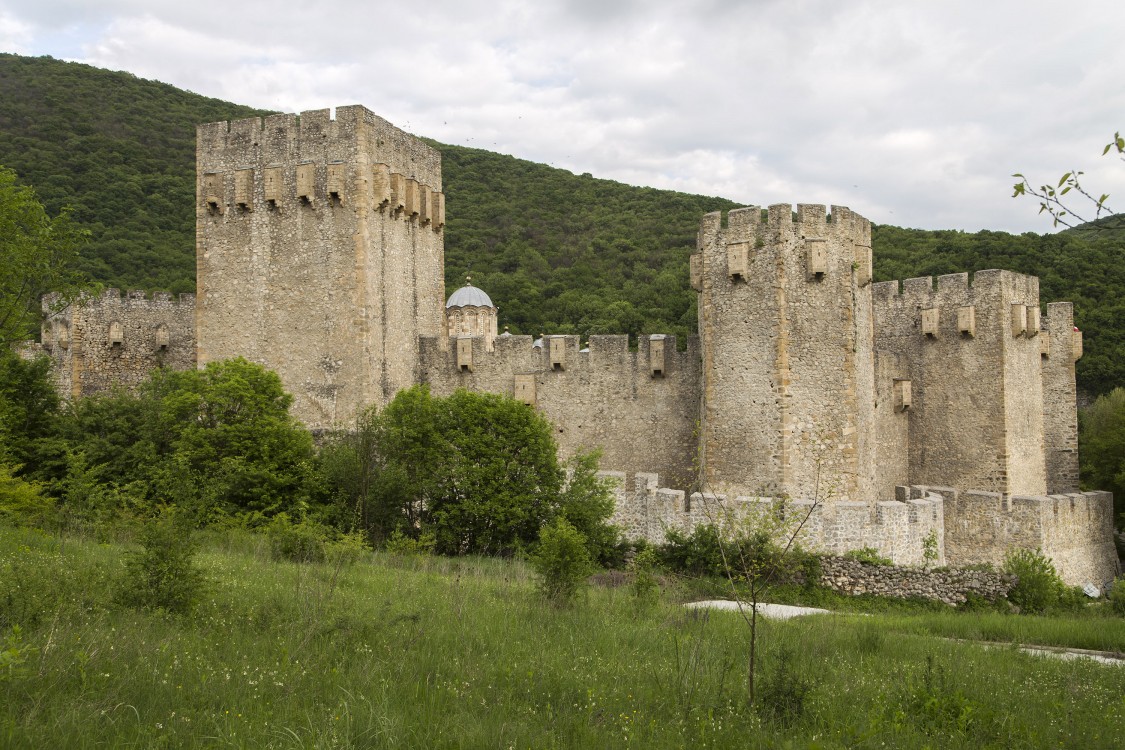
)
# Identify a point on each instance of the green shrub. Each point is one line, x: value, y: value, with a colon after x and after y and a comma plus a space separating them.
x: 784, y: 690
x: 1116, y: 596
x: 974, y: 602
x: 868, y: 555
x: 645, y: 586
x: 699, y: 553
x: 1039, y: 587
x: 163, y: 573
x: 407, y: 546
x: 302, y: 542
x: 1071, y: 599
x: 753, y: 553
x: 346, y: 549
x: 930, y: 550
x: 562, y: 562
x: 22, y: 503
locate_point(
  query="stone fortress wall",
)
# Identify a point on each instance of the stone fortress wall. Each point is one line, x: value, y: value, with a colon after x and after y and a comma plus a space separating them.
x: 320, y: 255
x: 896, y: 528
x: 639, y: 407
x: 99, y: 343
x: 1074, y: 529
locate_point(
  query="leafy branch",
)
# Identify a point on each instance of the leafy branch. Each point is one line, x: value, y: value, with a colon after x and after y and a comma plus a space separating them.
x: 1051, y: 197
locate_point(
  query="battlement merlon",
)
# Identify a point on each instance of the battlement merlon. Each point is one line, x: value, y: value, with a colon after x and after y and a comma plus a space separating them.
x: 1063, y: 338
x: 812, y: 221
x: 957, y: 287
x: 355, y: 135
x: 111, y: 297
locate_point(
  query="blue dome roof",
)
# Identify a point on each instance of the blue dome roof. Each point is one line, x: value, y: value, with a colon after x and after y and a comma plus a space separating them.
x: 469, y: 295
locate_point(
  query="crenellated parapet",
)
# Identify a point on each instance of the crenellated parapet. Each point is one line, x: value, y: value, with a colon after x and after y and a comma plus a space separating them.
x: 970, y: 358
x: 968, y: 527
x: 785, y: 325
x: 1074, y: 529
x: 754, y: 240
x: 896, y: 528
x: 639, y: 406
x: 314, y: 162
x: 952, y: 307
x: 101, y: 342
x: 319, y: 252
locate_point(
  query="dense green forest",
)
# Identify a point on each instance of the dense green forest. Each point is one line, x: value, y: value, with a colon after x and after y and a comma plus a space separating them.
x: 556, y: 251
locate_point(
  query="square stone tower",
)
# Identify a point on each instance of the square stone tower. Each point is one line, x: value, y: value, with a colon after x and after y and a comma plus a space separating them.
x: 319, y: 253
x: 786, y: 327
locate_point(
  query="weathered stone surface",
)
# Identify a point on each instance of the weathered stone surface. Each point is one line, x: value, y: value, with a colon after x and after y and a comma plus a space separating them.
x: 111, y: 340
x: 788, y: 368
x: 948, y: 586
x: 319, y: 278
x: 320, y: 255
x: 605, y: 397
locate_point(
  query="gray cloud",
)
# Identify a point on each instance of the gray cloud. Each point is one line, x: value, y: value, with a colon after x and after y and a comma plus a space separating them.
x: 912, y: 114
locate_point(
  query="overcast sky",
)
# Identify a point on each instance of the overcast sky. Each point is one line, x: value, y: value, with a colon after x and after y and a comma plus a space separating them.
x: 913, y: 114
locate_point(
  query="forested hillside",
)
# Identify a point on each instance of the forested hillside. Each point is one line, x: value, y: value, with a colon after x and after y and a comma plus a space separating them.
x: 120, y: 151
x: 557, y: 252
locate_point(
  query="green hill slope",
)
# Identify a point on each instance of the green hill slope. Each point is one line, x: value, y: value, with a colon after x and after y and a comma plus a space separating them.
x: 117, y: 149
x: 557, y: 252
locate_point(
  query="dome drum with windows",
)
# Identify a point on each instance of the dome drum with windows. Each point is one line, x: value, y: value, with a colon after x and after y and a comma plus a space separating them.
x: 470, y: 312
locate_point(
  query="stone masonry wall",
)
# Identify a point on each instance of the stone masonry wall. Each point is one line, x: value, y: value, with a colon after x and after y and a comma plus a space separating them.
x: 608, y: 398
x: 895, y: 528
x: 1060, y: 346
x: 786, y: 330
x: 976, y: 415
x: 99, y: 343
x: 948, y: 586
x: 892, y: 424
x: 1075, y: 530
x: 319, y: 254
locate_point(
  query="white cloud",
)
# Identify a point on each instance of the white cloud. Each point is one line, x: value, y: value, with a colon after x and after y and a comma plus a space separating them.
x: 15, y: 35
x: 912, y: 114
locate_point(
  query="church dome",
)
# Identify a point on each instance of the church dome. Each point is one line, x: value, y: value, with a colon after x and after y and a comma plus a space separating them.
x: 468, y: 295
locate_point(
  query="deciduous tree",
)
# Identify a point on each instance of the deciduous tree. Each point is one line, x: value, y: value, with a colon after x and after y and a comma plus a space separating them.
x: 38, y: 254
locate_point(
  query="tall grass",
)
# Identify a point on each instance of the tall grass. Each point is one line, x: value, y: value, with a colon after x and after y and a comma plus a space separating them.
x: 463, y: 653
x: 1098, y: 633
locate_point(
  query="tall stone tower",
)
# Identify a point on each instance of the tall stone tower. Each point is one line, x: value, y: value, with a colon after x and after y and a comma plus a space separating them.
x: 319, y: 252
x: 786, y: 329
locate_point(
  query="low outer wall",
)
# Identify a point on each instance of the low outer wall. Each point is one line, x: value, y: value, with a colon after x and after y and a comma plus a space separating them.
x: 948, y: 586
x: 1074, y: 530
x: 897, y: 529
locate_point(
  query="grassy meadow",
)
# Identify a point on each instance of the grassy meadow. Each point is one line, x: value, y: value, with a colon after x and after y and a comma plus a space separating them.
x: 462, y: 653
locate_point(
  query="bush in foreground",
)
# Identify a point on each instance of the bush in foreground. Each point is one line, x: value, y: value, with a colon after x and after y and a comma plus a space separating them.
x: 562, y: 562
x: 163, y: 573
x: 1039, y: 587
